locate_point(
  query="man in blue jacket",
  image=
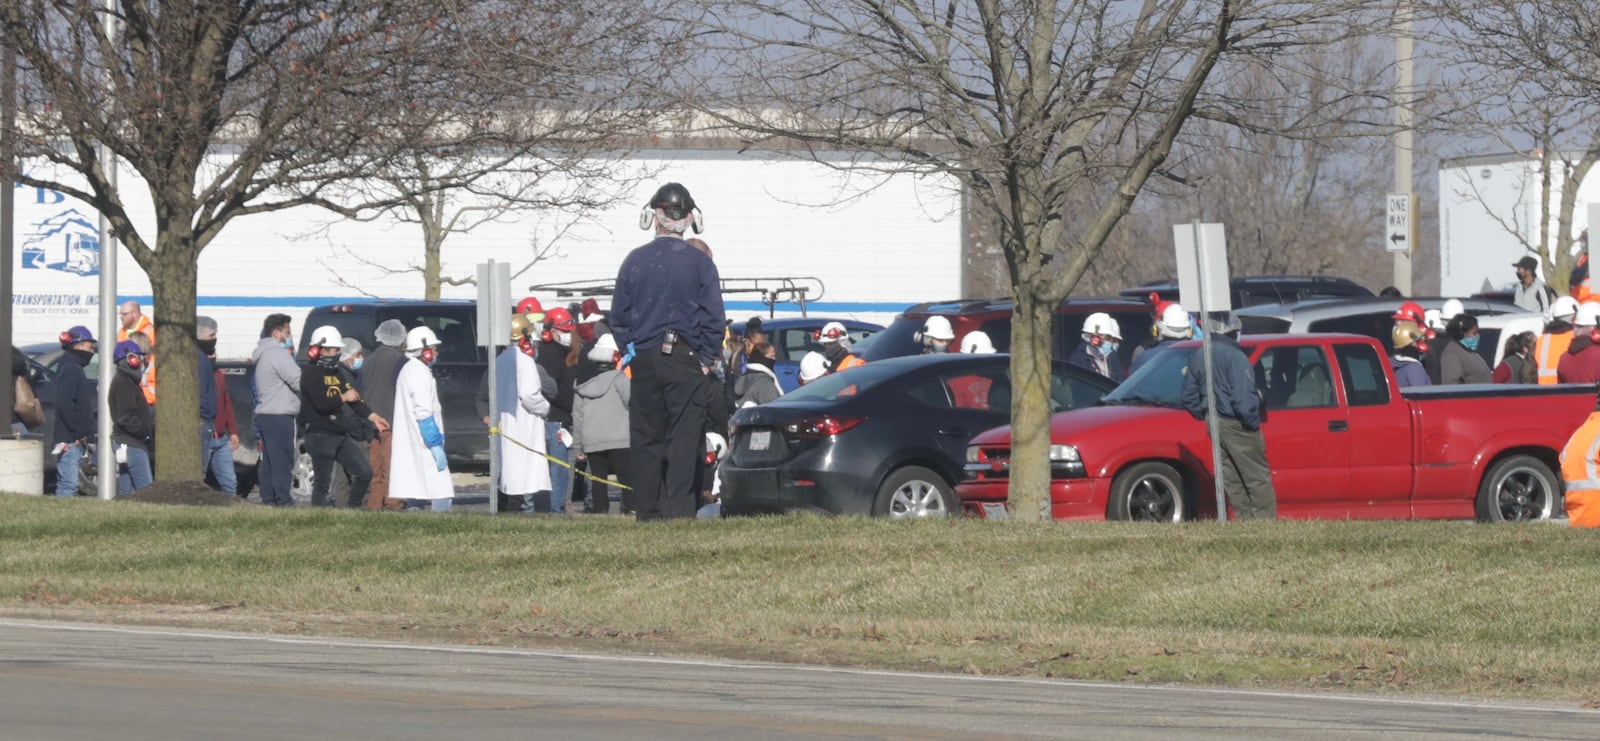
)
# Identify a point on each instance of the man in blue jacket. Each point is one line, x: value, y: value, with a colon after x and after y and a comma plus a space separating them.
x: 77, y: 408
x: 1246, y: 477
x: 667, y: 313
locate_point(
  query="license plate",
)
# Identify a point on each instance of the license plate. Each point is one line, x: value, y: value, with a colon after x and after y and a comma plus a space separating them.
x: 995, y: 511
x: 761, y: 440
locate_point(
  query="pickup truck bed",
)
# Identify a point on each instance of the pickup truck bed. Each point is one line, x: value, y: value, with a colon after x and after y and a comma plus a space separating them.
x: 1342, y: 442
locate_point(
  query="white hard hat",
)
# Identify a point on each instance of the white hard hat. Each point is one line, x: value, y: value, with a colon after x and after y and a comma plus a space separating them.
x: 1434, y: 319
x: 938, y: 328
x: 420, y: 338
x: 327, y: 337
x: 604, y: 350
x: 1113, y: 329
x: 1451, y: 309
x: 977, y: 343
x: 812, y: 367
x: 1096, y: 323
x: 1564, y: 308
x: 1175, y: 322
x: 831, y: 332
x: 1588, y: 314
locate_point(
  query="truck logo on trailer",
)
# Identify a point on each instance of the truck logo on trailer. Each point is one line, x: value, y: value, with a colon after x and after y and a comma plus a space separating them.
x: 68, y: 242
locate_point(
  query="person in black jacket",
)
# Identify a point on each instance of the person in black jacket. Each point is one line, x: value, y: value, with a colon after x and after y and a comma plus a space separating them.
x: 132, y: 423
x: 325, y: 392
x: 554, y: 346
x: 77, y: 408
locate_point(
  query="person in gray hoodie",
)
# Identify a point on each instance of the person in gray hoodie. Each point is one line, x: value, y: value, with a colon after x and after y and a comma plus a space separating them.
x: 759, y: 384
x: 277, y: 383
x: 600, y: 432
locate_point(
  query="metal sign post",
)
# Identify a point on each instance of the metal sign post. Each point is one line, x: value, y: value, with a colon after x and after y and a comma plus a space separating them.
x: 494, y: 321
x: 1203, y: 284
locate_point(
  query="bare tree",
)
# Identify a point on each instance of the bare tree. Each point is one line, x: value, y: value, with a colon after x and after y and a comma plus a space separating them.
x: 225, y: 109
x: 1052, y: 115
x: 1530, y: 78
x: 532, y: 122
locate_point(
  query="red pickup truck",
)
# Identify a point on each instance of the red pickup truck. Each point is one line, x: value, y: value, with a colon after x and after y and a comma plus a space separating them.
x: 1342, y: 440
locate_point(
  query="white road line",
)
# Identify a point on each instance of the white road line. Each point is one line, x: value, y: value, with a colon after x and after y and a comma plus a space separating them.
x: 714, y: 664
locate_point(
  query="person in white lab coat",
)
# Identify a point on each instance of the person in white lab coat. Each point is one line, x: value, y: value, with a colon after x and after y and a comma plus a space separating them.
x: 521, y: 413
x: 418, y: 469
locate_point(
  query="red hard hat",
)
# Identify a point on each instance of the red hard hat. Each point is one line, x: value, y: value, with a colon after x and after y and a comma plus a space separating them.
x: 560, y: 320
x: 530, y: 305
x: 1410, y: 311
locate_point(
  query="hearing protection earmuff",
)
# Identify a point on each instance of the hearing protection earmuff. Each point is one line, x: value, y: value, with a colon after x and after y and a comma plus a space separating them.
x: 66, y: 338
x: 647, y: 219
x: 132, y: 361
x: 313, y: 352
x: 525, y: 344
x: 428, y: 355
x: 834, y: 334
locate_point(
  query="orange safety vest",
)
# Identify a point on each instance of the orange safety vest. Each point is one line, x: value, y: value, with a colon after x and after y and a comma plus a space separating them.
x: 1580, y: 471
x: 1552, y: 345
x: 850, y: 361
x: 148, y: 382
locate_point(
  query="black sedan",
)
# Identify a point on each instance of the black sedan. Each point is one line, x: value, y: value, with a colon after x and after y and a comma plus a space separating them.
x: 886, y: 439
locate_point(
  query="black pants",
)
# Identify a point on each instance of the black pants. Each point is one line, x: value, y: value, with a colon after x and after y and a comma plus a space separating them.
x: 602, y: 464
x: 325, y: 450
x: 667, y: 422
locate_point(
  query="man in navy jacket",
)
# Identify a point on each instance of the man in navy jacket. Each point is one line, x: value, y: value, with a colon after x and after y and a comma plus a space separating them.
x: 667, y: 313
x: 77, y: 408
x: 1246, y: 477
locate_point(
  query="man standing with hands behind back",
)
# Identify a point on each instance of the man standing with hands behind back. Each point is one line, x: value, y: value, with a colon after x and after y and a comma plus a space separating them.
x: 667, y: 315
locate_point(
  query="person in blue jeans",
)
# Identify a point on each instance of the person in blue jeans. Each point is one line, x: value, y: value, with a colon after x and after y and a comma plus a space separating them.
x: 219, y: 433
x: 133, y: 425
x: 77, y: 408
x: 278, y: 403
x: 558, y: 357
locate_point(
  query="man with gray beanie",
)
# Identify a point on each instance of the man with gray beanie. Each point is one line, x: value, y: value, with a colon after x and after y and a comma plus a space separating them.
x: 379, y: 374
x: 1246, y: 477
x: 218, y: 436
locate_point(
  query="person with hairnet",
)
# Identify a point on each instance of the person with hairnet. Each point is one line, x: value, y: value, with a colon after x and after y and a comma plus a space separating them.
x: 379, y: 373
x: 1246, y: 477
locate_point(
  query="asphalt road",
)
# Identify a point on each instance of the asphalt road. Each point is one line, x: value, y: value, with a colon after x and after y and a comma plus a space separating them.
x: 69, y: 681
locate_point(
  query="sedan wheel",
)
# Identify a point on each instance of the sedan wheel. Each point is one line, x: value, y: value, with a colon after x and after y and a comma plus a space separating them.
x: 1518, y: 488
x: 913, y: 492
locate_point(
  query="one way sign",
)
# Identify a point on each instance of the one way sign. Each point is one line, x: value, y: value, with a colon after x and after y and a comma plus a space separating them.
x: 1397, y: 232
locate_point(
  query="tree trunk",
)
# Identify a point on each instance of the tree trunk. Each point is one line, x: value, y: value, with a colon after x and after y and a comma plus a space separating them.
x: 1031, y: 325
x: 177, y: 412
x: 431, y: 265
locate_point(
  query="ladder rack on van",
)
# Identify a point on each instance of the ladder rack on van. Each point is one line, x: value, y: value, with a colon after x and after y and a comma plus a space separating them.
x: 773, y: 291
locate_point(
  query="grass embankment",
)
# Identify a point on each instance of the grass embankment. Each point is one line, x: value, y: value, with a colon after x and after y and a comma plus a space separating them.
x: 1424, y: 607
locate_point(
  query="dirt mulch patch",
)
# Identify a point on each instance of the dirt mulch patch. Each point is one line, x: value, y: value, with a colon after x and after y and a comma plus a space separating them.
x: 184, y: 492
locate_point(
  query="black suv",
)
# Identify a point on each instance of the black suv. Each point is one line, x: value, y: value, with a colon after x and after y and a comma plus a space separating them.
x: 459, y: 370
x: 994, y: 317
x: 1251, y: 290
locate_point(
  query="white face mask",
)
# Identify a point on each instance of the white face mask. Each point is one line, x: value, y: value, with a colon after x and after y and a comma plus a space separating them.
x: 564, y: 339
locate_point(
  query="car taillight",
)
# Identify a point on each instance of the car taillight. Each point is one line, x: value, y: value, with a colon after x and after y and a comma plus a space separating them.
x: 822, y: 427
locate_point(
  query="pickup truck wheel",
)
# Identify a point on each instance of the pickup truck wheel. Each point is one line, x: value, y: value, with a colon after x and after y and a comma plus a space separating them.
x: 1521, y: 487
x: 912, y: 492
x: 1148, y: 492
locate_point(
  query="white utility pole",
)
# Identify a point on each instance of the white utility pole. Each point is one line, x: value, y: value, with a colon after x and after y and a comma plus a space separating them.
x: 106, y: 458
x: 1404, y: 99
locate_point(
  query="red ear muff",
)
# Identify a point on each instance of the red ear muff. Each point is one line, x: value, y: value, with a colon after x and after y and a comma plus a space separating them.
x: 525, y: 344
x: 428, y: 355
x: 1096, y: 340
x: 313, y: 352
x: 66, y: 338
x: 547, y: 336
x: 131, y: 360
x: 1594, y: 335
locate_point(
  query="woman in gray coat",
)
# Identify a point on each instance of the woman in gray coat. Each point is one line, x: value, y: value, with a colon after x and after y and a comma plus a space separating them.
x: 1460, y: 363
x: 759, y: 384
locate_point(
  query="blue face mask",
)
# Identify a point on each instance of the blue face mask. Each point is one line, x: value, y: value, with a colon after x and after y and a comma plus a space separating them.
x: 1110, y: 346
x: 356, y: 364
x: 1471, y: 343
x: 288, y: 343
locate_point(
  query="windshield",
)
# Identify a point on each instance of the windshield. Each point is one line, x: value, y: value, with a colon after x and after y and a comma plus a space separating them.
x: 842, y: 385
x: 1159, y: 381
x: 897, y: 340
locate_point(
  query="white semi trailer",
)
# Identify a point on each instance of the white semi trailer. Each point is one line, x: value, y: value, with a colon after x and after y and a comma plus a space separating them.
x: 875, y: 244
x: 1490, y: 210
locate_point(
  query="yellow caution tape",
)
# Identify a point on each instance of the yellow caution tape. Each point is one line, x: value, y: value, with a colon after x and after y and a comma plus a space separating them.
x: 493, y: 431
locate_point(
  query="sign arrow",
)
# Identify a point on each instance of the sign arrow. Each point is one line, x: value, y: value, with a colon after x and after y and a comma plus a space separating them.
x: 1397, y: 238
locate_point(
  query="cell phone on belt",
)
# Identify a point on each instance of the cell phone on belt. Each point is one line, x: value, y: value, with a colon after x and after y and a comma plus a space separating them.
x: 666, y: 344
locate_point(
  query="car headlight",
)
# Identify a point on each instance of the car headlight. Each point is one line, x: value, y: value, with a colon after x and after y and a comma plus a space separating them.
x: 972, y: 454
x: 1061, y: 454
